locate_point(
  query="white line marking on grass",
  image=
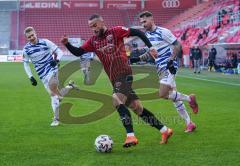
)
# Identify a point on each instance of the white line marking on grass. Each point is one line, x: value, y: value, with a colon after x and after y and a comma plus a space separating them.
x: 203, y: 79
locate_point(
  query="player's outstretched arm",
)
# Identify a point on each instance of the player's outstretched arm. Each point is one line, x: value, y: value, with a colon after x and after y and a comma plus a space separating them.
x: 74, y: 50
x: 141, y: 35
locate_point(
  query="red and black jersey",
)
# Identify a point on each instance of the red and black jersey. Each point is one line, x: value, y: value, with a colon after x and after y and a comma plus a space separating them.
x: 110, y: 50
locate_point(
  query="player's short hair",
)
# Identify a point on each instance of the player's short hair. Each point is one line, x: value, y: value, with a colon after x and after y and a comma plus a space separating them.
x: 95, y: 16
x: 145, y: 14
x: 28, y: 29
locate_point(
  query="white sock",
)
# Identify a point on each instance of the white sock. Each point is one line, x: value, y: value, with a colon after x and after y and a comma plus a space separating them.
x: 130, y: 134
x: 163, y: 129
x: 87, y: 77
x: 179, y: 105
x: 65, y: 90
x: 176, y: 96
x: 55, y: 106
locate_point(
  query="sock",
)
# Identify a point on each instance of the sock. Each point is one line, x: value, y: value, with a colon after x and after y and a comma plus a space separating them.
x: 55, y: 106
x: 149, y: 118
x: 126, y: 118
x: 163, y: 129
x: 86, y: 76
x: 176, y: 96
x: 130, y: 134
x: 179, y: 105
x: 85, y: 72
x: 65, y: 90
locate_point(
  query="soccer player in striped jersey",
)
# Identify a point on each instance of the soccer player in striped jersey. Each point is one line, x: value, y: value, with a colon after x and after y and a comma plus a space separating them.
x: 85, y: 66
x: 168, y: 48
x: 108, y: 45
x: 45, y: 56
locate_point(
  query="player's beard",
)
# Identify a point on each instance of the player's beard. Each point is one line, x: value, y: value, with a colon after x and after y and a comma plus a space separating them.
x: 101, y: 32
x: 148, y: 28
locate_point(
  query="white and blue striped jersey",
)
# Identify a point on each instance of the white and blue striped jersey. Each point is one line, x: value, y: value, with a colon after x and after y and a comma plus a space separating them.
x: 162, y: 39
x: 40, y: 54
x: 88, y: 55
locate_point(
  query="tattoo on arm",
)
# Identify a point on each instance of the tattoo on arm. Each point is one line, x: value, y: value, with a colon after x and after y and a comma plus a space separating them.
x: 176, y: 50
x: 145, y: 56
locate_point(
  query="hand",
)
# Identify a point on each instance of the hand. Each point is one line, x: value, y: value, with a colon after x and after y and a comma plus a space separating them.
x: 33, y: 81
x: 64, y: 40
x: 54, y: 63
x: 153, y: 52
x: 171, y: 67
x: 134, y: 60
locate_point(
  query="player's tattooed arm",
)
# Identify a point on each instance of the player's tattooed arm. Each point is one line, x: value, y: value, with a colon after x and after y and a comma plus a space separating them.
x: 176, y: 50
x: 152, y: 53
x: 144, y: 57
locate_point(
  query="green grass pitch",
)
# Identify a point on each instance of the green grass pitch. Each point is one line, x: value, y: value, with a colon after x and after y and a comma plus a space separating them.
x: 26, y: 137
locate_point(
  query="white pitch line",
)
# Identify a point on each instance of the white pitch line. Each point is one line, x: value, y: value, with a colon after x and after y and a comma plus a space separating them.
x: 203, y: 79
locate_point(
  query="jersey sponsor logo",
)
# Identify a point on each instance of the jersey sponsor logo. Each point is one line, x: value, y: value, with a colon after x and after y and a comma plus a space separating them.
x: 108, y: 49
x: 170, y: 3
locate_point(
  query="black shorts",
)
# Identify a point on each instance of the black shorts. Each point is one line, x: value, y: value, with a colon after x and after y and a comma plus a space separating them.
x: 211, y: 63
x: 124, y: 85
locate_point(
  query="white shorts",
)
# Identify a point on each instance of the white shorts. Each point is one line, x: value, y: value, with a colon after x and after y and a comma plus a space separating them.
x: 167, y: 78
x: 84, y: 64
x: 50, y: 78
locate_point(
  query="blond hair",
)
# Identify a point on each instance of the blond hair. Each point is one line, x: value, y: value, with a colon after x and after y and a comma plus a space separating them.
x: 28, y: 29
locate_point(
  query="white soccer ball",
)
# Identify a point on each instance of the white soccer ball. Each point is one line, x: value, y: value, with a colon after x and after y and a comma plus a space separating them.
x: 103, y: 143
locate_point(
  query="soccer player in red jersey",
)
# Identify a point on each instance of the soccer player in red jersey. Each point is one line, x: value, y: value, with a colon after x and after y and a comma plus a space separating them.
x: 108, y: 45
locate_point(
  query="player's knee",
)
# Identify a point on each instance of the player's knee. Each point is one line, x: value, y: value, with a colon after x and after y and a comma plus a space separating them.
x: 117, y: 100
x: 115, y: 103
x: 53, y: 89
x: 137, y: 107
x: 162, y: 95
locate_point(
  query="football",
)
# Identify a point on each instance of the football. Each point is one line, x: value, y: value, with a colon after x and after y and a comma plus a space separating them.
x: 104, y: 143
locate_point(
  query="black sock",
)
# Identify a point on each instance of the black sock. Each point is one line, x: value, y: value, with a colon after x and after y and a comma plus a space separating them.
x: 149, y: 118
x: 125, y: 118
